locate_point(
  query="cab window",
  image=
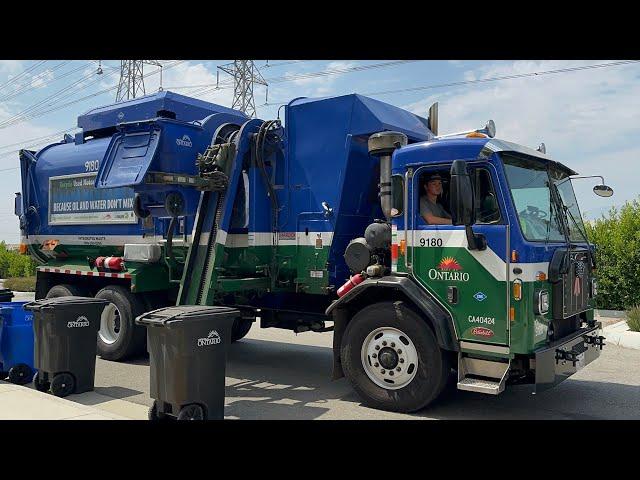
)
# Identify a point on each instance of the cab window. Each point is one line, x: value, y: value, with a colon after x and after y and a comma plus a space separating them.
x: 486, y: 199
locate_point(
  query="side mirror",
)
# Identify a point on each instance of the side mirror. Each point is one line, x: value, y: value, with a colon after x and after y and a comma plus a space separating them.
x: 603, y: 190
x: 17, y: 205
x: 461, y: 195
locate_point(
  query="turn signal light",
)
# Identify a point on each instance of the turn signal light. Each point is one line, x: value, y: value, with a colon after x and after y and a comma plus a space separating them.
x: 23, y: 248
x: 403, y: 247
x: 514, y: 256
x: 517, y: 289
x: 512, y: 314
x: 541, y: 276
x: 476, y: 135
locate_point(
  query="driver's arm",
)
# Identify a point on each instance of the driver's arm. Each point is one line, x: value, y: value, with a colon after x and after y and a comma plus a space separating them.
x: 431, y: 219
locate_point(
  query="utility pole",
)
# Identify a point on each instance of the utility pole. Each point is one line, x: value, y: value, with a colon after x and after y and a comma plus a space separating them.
x: 132, y: 78
x: 245, y: 76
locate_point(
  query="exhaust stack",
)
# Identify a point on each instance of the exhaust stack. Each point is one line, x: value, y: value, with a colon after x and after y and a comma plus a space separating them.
x: 382, y: 145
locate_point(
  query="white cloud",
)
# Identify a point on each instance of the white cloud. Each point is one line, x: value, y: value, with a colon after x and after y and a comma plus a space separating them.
x: 41, y: 79
x: 587, y: 119
x: 11, y: 67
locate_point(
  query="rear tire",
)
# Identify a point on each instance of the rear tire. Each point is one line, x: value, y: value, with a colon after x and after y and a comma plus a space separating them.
x: 119, y: 337
x: 417, y: 387
x: 67, y: 290
x: 240, y: 328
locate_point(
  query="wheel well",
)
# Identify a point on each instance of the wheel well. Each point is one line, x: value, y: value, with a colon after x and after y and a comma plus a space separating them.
x: 45, y: 281
x: 377, y: 295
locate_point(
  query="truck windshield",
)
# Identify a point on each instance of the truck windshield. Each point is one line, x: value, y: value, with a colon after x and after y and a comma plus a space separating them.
x: 540, y: 219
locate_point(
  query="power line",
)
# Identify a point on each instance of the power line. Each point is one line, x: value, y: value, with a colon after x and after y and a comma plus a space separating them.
x: 505, y: 77
x: 59, y: 107
x: 41, y: 103
x: 27, y: 88
x: 25, y: 142
x: 305, y: 76
x: 24, y: 72
x: 131, y: 82
x: 245, y: 76
x: 484, y: 80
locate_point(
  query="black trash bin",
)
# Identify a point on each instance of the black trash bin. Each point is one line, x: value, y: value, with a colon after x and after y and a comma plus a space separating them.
x: 5, y: 295
x: 65, y: 331
x: 188, y: 347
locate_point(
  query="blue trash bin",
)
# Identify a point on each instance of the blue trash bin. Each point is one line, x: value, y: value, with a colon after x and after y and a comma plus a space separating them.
x: 16, y: 342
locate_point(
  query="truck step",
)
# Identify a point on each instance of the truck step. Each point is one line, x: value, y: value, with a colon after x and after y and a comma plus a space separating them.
x: 490, y: 387
x: 483, y: 376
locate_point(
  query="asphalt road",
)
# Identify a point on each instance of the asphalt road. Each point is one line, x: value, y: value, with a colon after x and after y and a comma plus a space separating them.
x: 274, y: 374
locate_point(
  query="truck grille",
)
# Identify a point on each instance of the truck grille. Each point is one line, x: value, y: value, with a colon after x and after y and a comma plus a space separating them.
x: 571, y: 293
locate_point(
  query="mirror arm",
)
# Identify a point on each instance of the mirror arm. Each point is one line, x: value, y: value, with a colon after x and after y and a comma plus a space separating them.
x: 476, y: 241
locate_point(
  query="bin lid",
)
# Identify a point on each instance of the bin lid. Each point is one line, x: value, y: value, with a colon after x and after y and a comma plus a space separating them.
x: 166, y: 315
x: 70, y: 300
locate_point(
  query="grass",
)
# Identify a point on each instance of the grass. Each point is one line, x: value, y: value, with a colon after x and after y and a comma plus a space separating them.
x: 21, y: 284
x: 633, y: 319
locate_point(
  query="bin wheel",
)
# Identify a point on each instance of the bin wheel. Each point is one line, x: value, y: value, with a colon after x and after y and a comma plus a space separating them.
x: 63, y: 384
x: 191, y: 412
x: 39, y: 384
x: 154, y: 414
x: 20, y: 374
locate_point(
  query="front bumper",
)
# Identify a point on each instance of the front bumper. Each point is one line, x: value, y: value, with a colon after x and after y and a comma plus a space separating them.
x: 561, y: 359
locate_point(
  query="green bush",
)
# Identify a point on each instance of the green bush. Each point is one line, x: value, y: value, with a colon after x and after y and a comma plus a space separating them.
x: 633, y: 319
x: 23, y: 284
x: 12, y: 264
x: 617, y: 240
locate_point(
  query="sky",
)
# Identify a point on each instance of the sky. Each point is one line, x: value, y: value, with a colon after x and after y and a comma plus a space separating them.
x: 587, y: 117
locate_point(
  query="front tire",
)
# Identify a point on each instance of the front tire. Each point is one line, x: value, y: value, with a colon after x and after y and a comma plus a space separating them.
x: 119, y: 337
x: 392, y: 358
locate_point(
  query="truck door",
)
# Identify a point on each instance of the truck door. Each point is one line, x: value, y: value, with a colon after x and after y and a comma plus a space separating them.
x: 472, y: 285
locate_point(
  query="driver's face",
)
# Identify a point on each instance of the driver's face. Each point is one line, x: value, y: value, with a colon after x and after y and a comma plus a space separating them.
x: 434, y: 187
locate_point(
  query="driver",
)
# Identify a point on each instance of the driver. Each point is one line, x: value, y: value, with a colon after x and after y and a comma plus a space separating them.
x: 430, y: 209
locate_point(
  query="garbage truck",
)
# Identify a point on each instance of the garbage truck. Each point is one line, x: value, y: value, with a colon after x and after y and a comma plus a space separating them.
x: 319, y: 221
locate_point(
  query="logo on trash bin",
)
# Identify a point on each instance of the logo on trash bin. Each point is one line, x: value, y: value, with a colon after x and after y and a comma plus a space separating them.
x: 185, y: 141
x: 212, y: 339
x: 79, y: 322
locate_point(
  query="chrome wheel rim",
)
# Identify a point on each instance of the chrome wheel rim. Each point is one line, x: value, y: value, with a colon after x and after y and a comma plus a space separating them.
x: 389, y: 358
x: 110, y: 324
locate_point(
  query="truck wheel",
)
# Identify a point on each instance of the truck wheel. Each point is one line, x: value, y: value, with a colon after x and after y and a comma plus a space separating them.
x: 66, y: 290
x: 392, y: 358
x: 240, y: 328
x: 119, y: 337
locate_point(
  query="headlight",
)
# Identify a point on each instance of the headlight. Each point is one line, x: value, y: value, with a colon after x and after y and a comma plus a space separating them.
x: 541, y: 306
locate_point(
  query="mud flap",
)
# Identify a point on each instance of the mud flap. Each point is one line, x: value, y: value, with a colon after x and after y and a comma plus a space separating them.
x: 340, y: 318
x: 565, y: 357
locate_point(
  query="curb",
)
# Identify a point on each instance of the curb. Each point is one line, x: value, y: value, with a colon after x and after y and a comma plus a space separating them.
x: 619, y: 334
x: 611, y: 313
x: 20, y: 402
